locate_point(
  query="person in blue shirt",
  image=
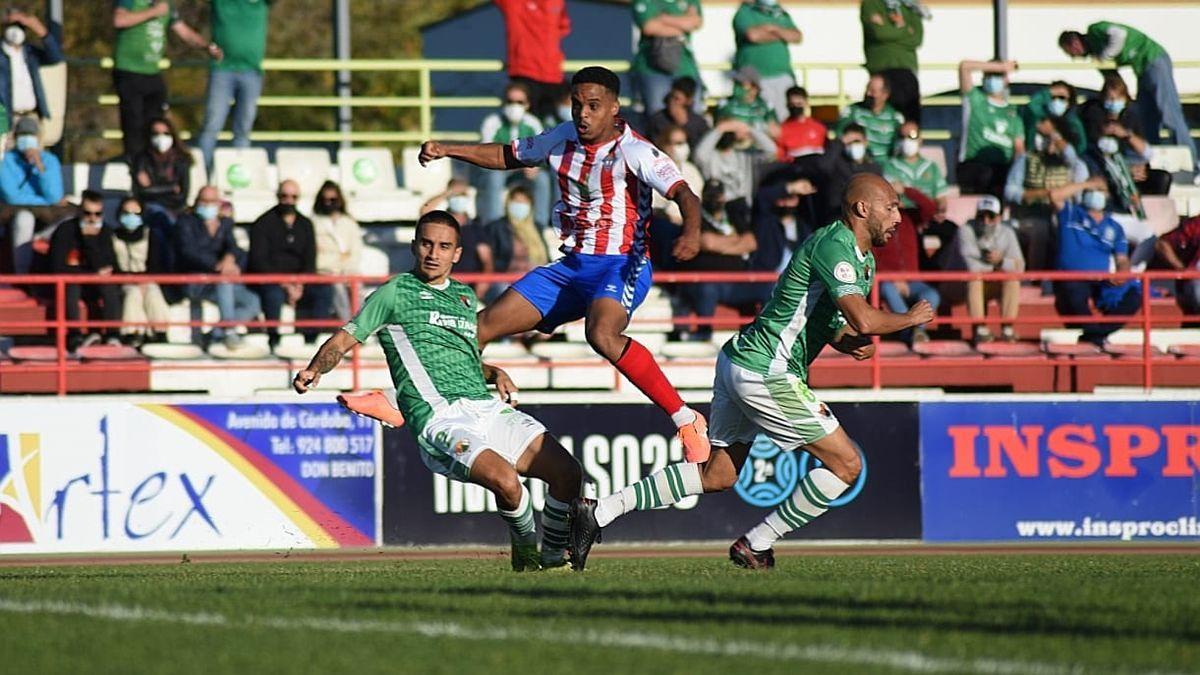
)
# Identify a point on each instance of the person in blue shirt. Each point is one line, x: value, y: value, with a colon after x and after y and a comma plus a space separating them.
x: 1089, y: 240
x: 31, y: 190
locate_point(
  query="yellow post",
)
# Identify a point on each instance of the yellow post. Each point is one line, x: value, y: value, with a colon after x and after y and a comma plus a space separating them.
x: 425, y: 92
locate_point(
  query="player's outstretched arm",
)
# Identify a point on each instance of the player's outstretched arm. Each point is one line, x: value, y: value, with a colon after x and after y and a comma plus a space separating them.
x: 326, y: 359
x: 867, y: 320
x: 483, y: 155
x: 688, y: 243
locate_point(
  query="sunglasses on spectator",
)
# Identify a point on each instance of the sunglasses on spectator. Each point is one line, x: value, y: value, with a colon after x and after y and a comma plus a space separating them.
x: 287, y: 195
x: 94, y: 215
x: 517, y: 101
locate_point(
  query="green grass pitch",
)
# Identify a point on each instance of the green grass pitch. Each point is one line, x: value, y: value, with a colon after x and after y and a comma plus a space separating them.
x: 1044, y: 614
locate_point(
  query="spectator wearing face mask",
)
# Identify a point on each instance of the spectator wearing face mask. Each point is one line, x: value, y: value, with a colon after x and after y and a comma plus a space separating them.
x: 1127, y: 46
x: 746, y: 103
x: 515, y: 240
x: 161, y: 175
x: 1039, y: 182
x: 82, y: 245
x: 731, y: 153
x: 31, y: 191
x: 204, y: 244
x: 339, y: 243
x: 534, y: 31
x: 678, y: 111
x: 782, y: 219
x: 910, y: 169
x: 877, y: 117
x: 800, y: 134
x: 992, y: 131
x: 476, y: 252
x: 763, y: 30
x: 282, y: 241
x: 141, y: 41
x: 987, y: 244
x: 140, y: 250
x: 1056, y: 102
x: 1089, y: 240
x: 1117, y: 144
x: 829, y: 173
x: 513, y: 121
x: 21, y: 90
x: 674, y: 142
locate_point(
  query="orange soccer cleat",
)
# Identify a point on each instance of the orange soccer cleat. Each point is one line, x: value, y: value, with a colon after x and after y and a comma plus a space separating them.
x: 694, y: 436
x: 373, y: 404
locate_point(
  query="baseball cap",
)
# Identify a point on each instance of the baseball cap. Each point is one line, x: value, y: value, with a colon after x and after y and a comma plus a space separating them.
x: 988, y: 203
x: 747, y: 75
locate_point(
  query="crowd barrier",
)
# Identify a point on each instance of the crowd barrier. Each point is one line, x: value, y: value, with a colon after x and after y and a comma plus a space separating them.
x: 1145, y: 319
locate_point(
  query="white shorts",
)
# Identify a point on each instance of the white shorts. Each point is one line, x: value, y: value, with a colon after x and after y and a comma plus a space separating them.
x: 781, y: 406
x: 456, y: 435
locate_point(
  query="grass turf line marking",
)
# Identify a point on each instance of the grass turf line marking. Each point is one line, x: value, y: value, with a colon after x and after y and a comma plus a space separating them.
x: 900, y: 660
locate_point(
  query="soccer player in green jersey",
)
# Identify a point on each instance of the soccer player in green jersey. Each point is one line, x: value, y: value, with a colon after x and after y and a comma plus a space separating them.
x: 821, y: 298
x: 426, y: 325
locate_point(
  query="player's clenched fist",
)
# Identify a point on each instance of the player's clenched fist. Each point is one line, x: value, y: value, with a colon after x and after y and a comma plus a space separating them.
x: 686, y: 247
x: 921, y: 313
x: 431, y: 150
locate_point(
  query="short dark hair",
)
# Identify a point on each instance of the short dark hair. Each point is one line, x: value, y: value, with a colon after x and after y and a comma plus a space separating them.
x: 128, y: 199
x: 853, y: 127
x: 1068, y: 35
x: 1071, y: 93
x: 598, y: 75
x: 684, y: 85
x: 521, y: 190
x: 439, y: 217
x: 91, y: 196
x: 797, y: 91
x: 518, y: 86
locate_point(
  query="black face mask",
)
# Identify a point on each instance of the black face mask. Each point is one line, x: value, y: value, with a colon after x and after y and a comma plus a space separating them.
x: 287, y: 209
x: 727, y: 140
x: 796, y: 111
x: 714, y: 205
x: 869, y: 101
x: 327, y: 206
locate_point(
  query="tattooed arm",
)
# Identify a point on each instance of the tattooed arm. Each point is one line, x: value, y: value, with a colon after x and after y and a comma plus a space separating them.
x: 328, y: 356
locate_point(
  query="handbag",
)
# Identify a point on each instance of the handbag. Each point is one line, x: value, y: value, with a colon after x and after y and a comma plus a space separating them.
x: 665, y: 54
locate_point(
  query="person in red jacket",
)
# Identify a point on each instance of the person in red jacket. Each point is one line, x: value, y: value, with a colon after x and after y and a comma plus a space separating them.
x: 1179, y: 249
x: 535, y: 29
x: 900, y: 254
x: 800, y: 134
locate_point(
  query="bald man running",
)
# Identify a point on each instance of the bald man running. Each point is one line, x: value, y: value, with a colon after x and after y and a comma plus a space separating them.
x: 761, y: 386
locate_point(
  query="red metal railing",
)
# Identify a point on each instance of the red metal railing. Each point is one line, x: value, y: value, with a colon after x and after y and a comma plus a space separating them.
x: 61, y: 326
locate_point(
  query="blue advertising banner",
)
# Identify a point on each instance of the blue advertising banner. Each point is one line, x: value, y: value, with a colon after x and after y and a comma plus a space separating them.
x: 996, y: 471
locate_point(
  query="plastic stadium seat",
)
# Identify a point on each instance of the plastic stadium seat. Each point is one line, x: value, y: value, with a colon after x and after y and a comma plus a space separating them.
x: 1075, y: 349
x: 424, y: 180
x: 689, y: 350
x: 116, y: 178
x: 373, y: 262
x: 1161, y: 215
x: 369, y: 181
x: 1001, y: 349
x: 245, y: 178
x: 1130, y: 351
x: 1172, y: 158
x: 54, y: 84
x: 172, y: 352
x: 292, y: 347
x: 1187, y: 350
x: 33, y: 353
x: 564, y: 351
x: 961, y: 208
x: 505, y: 350
x: 1186, y: 198
x: 945, y: 348
x: 892, y: 349
x: 11, y: 295
x: 310, y: 167
x: 108, y: 353
x: 936, y: 154
x: 197, y: 175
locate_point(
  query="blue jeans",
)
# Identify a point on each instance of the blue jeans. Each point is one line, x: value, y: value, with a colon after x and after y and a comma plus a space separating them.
x: 1158, y: 100
x: 492, y: 185
x: 1071, y: 299
x: 241, y: 88
x: 899, y: 304
x: 316, y: 302
x: 652, y: 87
x: 235, y: 302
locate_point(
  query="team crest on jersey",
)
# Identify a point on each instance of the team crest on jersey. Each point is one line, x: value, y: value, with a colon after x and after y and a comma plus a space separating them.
x: 844, y: 272
x: 462, y: 447
x: 464, y: 300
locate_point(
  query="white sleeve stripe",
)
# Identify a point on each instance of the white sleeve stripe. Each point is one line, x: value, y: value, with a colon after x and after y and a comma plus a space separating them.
x: 1116, y: 42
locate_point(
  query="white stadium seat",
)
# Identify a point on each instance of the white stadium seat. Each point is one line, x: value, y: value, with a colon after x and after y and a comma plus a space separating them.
x: 245, y: 178
x: 116, y: 178
x: 197, y: 175
x: 936, y: 154
x: 1171, y: 158
x: 424, y: 180
x: 309, y: 167
x: 369, y: 181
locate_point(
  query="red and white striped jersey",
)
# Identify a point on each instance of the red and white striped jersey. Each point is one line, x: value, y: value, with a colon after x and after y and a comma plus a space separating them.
x: 606, y: 188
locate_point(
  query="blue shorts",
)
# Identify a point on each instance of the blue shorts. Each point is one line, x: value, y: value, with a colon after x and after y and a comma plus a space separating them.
x: 563, y: 290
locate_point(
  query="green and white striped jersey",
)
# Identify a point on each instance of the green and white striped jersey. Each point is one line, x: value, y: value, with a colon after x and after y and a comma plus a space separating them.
x: 428, y: 336
x: 802, y: 315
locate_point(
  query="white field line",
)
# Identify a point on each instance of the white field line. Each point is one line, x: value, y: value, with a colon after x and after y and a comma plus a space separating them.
x: 857, y: 656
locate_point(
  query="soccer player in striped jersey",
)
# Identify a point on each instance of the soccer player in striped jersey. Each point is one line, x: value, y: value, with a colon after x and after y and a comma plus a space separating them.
x: 760, y: 384
x: 426, y: 323
x: 607, y: 174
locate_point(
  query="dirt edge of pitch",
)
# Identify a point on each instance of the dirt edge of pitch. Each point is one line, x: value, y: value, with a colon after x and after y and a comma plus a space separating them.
x: 678, y: 549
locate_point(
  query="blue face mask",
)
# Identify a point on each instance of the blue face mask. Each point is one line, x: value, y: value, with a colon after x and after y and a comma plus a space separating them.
x: 458, y: 204
x: 993, y: 84
x: 131, y: 221
x: 207, y: 212
x: 1094, y: 200
x: 519, y: 211
x: 1057, y: 107
x: 26, y: 142
x: 1115, y: 106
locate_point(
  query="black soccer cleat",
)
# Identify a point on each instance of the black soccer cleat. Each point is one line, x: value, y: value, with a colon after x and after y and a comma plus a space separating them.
x: 743, y: 556
x: 584, y: 531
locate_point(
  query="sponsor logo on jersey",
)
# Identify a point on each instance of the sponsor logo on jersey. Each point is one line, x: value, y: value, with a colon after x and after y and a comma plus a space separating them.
x: 844, y: 272
x: 466, y: 301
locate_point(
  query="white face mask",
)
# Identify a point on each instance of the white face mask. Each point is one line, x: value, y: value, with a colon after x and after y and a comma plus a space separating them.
x: 14, y: 35
x: 856, y: 151
x: 681, y: 152
x: 458, y: 204
x: 162, y: 142
x: 1094, y: 200
x: 514, y: 112
x: 1108, y: 145
x: 909, y: 147
x: 518, y: 211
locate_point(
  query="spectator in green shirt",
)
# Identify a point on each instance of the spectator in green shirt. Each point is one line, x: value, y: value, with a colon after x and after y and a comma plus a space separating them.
x: 746, y: 103
x: 912, y: 170
x: 1056, y: 101
x: 892, y: 32
x: 763, y: 31
x: 664, y: 49
x: 992, y: 131
x: 1157, y: 95
x: 877, y: 116
x: 141, y: 39
x: 239, y: 29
